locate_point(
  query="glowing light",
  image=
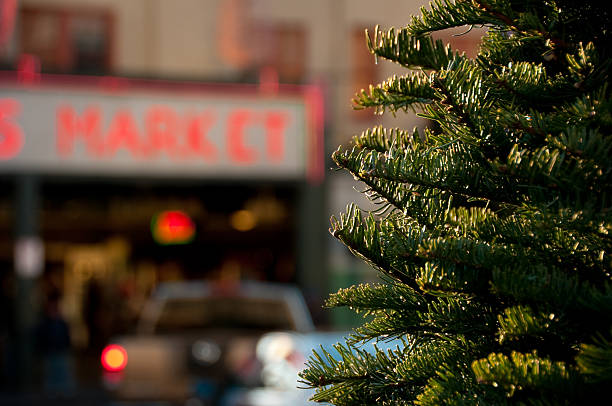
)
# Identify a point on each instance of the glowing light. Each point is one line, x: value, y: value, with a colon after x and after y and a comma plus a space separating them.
x: 11, y: 135
x: 172, y: 227
x: 243, y: 220
x: 162, y: 129
x: 114, y: 358
x: 206, y: 352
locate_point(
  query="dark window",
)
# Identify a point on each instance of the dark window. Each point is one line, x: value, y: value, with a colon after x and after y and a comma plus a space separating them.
x: 68, y: 41
x: 224, y: 312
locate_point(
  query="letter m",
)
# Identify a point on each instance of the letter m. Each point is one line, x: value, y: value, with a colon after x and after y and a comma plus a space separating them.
x: 70, y: 126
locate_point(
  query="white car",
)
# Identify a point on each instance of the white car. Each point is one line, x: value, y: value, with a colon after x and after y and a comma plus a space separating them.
x: 205, y: 343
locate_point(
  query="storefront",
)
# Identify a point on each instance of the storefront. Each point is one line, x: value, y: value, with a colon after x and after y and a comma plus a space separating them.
x: 113, y: 185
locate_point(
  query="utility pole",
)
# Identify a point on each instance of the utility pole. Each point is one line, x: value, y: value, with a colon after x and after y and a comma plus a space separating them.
x: 29, y: 262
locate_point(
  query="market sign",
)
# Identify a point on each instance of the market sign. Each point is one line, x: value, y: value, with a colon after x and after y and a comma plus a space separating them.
x: 152, y: 128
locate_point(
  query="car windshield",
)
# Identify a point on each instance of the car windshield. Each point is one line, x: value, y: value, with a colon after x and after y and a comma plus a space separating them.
x: 223, y: 312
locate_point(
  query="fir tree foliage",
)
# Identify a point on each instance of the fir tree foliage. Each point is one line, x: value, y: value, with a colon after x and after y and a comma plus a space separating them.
x: 493, y: 234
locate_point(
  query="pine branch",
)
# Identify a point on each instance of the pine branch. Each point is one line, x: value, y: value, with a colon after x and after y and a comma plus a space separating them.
x: 431, y: 317
x: 455, y: 169
x: 361, y: 237
x: 410, y: 51
x: 549, y: 175
x: 595, y: 360
x: 518, y: 322
x: 397, y: 93
x: 445, y: 14
x: 456, y: 387
x: 355, y: 375
x: 527, y: 372
x: 493, y: 232
x: 367, y: 298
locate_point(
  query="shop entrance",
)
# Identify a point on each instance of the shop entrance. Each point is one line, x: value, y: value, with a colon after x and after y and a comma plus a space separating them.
x: 104, y: 254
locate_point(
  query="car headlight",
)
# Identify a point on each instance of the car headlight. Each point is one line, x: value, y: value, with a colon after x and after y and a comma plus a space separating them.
x: 274, y: 347
x: 281, y: 359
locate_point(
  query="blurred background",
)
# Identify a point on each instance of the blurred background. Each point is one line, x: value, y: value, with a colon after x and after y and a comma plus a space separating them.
x: 150, y: 141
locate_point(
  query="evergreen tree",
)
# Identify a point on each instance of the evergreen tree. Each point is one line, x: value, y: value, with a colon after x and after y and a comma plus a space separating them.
x: 493, y: 235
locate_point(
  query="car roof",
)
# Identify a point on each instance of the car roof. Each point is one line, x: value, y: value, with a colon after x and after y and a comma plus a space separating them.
x: 176, y: 290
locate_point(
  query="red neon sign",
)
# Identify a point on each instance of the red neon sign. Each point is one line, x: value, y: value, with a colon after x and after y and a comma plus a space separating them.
x: 165, y: 131
x: 11, y: 135
x: 115, y: 126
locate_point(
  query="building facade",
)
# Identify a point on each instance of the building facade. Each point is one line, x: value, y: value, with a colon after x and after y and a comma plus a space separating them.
x: 221, y: 111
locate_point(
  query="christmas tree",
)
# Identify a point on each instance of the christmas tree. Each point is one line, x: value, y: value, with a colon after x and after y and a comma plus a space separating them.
x: 492, y: 236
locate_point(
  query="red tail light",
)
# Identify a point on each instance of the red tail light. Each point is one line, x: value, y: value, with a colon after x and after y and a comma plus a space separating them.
x: 114, y: 358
